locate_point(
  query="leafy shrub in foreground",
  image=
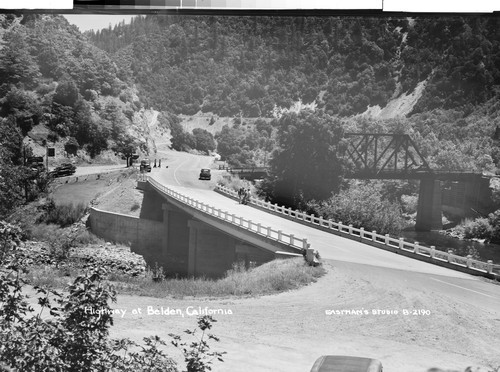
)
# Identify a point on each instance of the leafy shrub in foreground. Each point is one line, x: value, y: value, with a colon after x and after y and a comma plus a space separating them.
x: 197, y: 355
x: 72, y: 338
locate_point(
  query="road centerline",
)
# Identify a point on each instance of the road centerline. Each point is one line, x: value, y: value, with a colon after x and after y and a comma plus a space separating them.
x: 467, y: 289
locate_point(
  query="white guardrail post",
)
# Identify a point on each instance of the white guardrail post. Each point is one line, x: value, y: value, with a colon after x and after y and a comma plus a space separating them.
x: 448, y: 256
x: 469, y: 262
x: 489, y: 265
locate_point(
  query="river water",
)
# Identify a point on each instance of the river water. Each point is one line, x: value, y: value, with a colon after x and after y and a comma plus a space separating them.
x: 480, y: 251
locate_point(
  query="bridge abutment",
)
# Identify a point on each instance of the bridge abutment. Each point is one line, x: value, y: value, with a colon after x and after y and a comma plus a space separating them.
x: 429, y: 212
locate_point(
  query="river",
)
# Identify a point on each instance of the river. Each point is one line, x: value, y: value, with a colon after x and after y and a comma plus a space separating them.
x: 480, y: 251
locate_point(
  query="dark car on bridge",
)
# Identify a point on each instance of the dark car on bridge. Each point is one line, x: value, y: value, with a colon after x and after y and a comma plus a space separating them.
x: 205, y: 174
x: 342, y: 363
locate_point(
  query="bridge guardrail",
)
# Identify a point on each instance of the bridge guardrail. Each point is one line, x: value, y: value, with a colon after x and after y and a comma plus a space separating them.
x: 266, y: 231
x: 372, y: 236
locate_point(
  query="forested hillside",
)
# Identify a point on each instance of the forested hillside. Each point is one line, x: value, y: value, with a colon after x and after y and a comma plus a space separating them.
x: 52, y: 78
x: 257, y: 67
x: 89, y: 91
x: 229, y: 65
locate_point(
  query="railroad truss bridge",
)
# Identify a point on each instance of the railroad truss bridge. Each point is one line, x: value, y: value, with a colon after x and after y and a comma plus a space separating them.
x: 397, y: 157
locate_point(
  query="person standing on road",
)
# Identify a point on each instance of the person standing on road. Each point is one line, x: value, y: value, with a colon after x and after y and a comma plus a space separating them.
x: 248, y: 195
x: 240, y: 194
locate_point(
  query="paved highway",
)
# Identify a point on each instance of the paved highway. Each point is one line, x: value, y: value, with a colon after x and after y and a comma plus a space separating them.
x: 287, y: 332
x: 182, y: 175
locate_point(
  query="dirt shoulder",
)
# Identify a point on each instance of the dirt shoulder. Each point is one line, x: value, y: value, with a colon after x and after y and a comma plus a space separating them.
x: 288, y: 331
x: 114, y: 192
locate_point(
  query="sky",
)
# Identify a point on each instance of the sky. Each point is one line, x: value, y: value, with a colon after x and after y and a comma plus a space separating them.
x: 99, y: 21
x: 96, y: 22
x: 468, y: 6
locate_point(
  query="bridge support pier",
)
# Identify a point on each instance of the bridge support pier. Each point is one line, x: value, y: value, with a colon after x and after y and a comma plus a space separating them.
x: 429, y: 211
x: 212, y: 252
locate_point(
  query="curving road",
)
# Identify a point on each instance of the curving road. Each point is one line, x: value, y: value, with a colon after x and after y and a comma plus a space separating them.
x: 182, y: 175
x: 287, y: 332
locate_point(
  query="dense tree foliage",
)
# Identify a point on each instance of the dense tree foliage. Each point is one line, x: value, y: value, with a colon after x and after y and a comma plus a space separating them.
x: 18, y: 183
x: 305, y: 164
x: 50, y: 75
x: 87, y: 88
x: 229, y: 65
x: 459, y: 55
x: 245, y: 145
x: 204, y: 140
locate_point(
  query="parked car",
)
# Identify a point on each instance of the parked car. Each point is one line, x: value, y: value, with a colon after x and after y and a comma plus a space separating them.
x: 205, y: 174
x: 145, y: 165
x: 36, y: 163
x: 342, y: 363
x: 65, y: 169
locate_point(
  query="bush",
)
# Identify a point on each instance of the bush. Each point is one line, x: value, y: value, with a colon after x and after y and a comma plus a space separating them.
x: 409, y: 203
x: 362, y: 205
x: 64, y: 214
x: 74, y: 338
x: 479, y: 228
x: 235, y: 183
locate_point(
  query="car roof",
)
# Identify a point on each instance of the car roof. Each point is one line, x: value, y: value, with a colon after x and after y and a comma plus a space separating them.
x: 205, y: 170
x: 343, y: 363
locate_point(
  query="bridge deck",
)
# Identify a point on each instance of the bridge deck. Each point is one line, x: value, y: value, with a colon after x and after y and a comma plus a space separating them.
x: 330, y: 246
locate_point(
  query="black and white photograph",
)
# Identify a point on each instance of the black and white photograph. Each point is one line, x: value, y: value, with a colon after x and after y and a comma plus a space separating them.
x: 274, y: 191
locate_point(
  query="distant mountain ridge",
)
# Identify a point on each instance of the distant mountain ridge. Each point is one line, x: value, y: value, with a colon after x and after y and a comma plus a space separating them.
x: 250, y: 65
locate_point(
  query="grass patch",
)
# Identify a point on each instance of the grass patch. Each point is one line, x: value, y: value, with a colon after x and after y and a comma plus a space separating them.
x: 273, y: 277
x: 52, y: 233
x: 64, y: 214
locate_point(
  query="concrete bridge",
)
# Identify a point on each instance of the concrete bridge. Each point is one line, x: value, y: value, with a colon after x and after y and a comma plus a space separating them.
x: 190, y: 237
x: 390, y: 277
